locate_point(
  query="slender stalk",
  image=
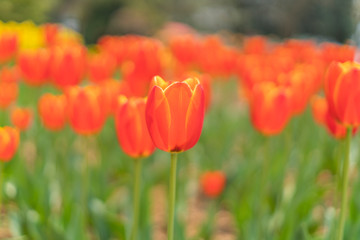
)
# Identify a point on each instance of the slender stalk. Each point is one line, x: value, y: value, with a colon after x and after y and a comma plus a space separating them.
x: 1, y: 185
x: 172, y: 194
x: 344, y: 186
x: 85, y: 179
x: 136, y: 198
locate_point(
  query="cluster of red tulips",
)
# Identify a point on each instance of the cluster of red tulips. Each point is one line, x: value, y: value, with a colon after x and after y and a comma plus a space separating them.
x: 122, y: 77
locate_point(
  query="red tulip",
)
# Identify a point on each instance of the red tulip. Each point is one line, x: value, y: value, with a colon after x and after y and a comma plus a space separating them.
x: 68, y: 65
x: 53, y: 111
x: 34, y: 66
x: 322, y: 116
x: 21, y: 118
x: 212, y: 183
x: 175, y: 114
x: 9, y: 141
x: 342, y: 89
x: 270, y: 108
x: 101, y: 67
x: 131, y: 127
x: 86, y: 109
x: 8, y: 46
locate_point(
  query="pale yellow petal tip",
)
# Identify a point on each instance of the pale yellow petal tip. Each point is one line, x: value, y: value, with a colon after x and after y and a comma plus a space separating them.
x: 192, y: 82
x: 158, y: 81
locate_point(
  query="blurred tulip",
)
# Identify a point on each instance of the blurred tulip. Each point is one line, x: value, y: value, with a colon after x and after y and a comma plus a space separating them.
x: 175, y: 114
x: 270, y: 108
x: 101, y: 67
x: 131, y: 127
x: 21, y: 118
x: 68, y: 65
x: 8, y: 86
x: 212, y: 183
x: 50, y: 32
x: 34, y: 66
x: 322, y: 116
x: 342, y: 90
x: 8, y: 46
x: 53, y: 111
x: 9, y: 141
x: 86, y: 109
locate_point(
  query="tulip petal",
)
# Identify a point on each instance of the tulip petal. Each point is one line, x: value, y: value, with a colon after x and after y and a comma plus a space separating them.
x: 195, y: 117
x: 178, y: 95
x: 158, y: 118
x: 347, y: 95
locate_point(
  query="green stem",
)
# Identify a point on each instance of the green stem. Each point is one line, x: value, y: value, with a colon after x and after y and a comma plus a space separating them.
x: 136, y: 198
x: 172, y: 194
x: 84, y: 193
x: 1, y: 184
x: 344, y: 186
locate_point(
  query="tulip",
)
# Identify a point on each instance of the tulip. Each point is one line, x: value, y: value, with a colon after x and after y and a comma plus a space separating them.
x: 8, y: 93
x: 175, y: 114
x: 270, y: 108
x: 9, y: 141
x: 174, y: 117
x: 21, y: 118
x: 101, y: 67
x: 323, y: 117
x: 135, y: 140
x: 8, y: 46
x: 34, y: 66
x: 53, y: 111
x: 86, y: 109
x: 342, y: 90
x: 212, y: 183
x: 131, y: 127
x: 68, y: 65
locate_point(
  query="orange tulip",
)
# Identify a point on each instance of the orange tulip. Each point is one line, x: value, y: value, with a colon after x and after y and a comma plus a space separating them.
x: 8, y: 93
x: 9, y: 141
x: 175, y: 114
x: 8, y: 86
x: 101, y: 67
x: 270, y: 108
x: 8, y: 46
x: 34, y: 66
x: 131, y: 127
x: 342, y: 89
x: 53, y: 111
x: 212, y: 183
x: 68, y: 65
x: 86, y: 109
x: 21, y: 118
x: 322, y: 116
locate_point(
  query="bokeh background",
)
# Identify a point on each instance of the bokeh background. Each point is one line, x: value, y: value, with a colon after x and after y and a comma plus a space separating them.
x: 325, y: 19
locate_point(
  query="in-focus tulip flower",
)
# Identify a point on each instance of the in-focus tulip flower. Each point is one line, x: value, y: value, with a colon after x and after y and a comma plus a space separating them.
x: 34, y: 66
x: 212, y: 183
x: 9, y: 141
x: 175, y: 114
x: 342, y: 90
x: 53, y: 111
x: 86, y: 109
x: 21, y: 118
x: 270, y: 108
x: 131, y: 127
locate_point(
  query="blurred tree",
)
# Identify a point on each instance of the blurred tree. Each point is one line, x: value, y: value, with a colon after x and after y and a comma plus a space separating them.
x: 21, y: 10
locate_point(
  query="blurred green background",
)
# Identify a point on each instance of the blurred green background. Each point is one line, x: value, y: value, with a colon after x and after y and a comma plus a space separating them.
x: 329, y: 19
